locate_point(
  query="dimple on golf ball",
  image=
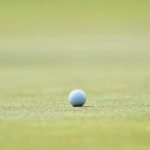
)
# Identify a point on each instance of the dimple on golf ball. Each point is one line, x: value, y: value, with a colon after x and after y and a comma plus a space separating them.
x: 77, y: 98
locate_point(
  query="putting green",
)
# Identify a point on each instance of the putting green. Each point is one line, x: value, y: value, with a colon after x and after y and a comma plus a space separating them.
x: 48, y: 49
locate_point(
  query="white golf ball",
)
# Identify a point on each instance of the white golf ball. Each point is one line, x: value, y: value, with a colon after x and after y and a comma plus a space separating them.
x: 77, y: 98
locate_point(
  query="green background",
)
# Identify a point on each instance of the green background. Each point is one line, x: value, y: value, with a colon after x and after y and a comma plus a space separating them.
x: 48, y: 48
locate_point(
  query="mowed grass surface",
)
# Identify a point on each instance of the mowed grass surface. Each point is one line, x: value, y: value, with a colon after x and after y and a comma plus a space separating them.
x: 35, y: 113
x: 48, y: 48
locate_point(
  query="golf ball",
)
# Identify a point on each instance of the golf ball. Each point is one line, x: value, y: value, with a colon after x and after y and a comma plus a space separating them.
x: 77, y: 98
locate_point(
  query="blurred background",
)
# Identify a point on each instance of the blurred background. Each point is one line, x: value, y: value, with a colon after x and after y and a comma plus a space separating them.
x: 44, y: 31
x: 74, y: 39
x: 65, y: 44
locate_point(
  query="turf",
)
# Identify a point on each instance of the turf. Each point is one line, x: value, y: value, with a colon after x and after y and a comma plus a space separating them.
x: 35, y: 113
x: 48, y: 48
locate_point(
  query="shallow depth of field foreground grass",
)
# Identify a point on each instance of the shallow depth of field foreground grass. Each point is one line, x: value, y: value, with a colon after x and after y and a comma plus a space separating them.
x: 35, y: 113
x: 48, y: 48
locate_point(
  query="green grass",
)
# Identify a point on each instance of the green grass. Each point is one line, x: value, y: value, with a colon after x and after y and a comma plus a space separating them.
x: 35, y: 113
x: 48, y: 48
